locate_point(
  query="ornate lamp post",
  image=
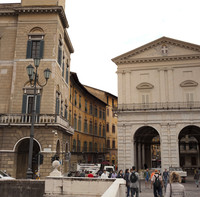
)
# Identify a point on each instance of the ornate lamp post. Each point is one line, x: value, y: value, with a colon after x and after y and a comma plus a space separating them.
x: 34, y: 80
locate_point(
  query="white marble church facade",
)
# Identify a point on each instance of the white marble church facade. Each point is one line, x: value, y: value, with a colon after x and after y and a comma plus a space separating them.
x: 159, y: 105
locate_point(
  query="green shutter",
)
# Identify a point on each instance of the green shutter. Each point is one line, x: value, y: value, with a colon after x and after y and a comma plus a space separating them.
x: 38, y: 104
x: 41, y: 48
x: 24, y: 102
x: 28, y: 50
x: 59, y: 55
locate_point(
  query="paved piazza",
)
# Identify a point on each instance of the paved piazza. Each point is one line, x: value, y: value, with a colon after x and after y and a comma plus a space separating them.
x: 191, y: 189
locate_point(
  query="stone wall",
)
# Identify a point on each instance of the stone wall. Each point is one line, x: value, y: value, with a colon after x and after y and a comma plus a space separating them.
x: 21, y: 188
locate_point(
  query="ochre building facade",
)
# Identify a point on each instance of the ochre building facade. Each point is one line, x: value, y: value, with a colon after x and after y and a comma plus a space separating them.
x: 111, y: 123
x: 87, y: 115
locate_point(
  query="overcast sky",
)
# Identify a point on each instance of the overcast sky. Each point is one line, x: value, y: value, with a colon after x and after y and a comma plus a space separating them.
x: 103, y: 29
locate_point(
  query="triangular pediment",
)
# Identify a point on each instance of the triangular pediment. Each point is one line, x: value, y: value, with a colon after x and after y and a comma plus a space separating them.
x: 160, y: 49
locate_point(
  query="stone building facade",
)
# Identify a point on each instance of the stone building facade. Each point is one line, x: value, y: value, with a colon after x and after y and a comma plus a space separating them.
x: 87, y: 115
x: 28, y: 30
x: 111, y: 123
x: 158, y: 105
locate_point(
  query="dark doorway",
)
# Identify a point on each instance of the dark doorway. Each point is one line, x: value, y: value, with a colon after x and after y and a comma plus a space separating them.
x: 189, y: 145
x: 147, y: 148
x: 22, y: 157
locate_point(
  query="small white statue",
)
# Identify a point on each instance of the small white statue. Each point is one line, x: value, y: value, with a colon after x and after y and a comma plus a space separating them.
x: 55, y: 172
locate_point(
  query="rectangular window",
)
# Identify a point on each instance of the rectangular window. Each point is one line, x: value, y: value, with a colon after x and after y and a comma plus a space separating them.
x: 79, y: 123
x: 107, y: 112
x: 95, y: 111
x: 108, y: 143
x: 75, y: 98
x: 107, y: 127
x: 67, y: 73
x: 113, y: 103
x: 113, y: 128
x: 100, y: 113
x: 86, y: 109
x: 60, y: 53
x: 35, y: 47
x: 91, y: 108
x: 79, y: 101
x: 113, y: 144
x: 104, y: 115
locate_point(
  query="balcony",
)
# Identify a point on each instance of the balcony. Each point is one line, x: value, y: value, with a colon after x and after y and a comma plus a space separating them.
x: 157, y: 106
x: 40, y: 120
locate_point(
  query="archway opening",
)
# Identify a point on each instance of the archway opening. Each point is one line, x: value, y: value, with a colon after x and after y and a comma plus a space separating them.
x: 147, y: 148
x: 189, y: 146
x: 22, y: 157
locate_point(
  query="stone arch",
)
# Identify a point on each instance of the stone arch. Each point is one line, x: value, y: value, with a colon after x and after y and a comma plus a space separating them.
x: 189, y: 147
x: 147, y: 150
x: 37, y: 30
x: 22, y: 150
x: 17, y: 143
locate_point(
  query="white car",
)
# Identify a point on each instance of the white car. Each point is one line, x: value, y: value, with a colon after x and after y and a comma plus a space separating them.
x: 183, y: 174
x: 4, y: 176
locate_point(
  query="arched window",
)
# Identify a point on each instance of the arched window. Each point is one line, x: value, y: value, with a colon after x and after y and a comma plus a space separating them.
x: 35, y: 43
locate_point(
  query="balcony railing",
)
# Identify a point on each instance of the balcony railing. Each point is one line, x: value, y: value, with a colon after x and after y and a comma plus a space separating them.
x: 157, y: 106
x: 40, y: 120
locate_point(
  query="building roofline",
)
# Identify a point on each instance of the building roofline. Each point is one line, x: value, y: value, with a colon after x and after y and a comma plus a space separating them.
x: 76, y: 80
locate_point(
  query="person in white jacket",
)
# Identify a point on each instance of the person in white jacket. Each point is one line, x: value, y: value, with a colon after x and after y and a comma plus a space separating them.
x: 104, y: 175
x: 174, y: 188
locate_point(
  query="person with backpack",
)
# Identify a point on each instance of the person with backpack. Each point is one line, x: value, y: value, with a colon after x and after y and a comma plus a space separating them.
x: 134, y: 182
x: 156, y: 181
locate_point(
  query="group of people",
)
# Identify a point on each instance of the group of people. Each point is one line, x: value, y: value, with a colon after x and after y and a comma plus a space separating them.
x: 170, y: 182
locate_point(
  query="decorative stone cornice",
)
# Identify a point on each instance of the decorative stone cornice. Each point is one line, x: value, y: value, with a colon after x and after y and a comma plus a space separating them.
x: 159, y: 59
x: 24, y: 10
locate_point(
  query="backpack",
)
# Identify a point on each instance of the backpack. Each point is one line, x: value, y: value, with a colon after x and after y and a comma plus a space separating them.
x: 157, y: 182
x: 133, y: 177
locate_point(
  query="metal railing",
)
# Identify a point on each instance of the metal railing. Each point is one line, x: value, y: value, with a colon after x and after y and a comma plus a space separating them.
x: 40, y: 119
x: 157, y: 106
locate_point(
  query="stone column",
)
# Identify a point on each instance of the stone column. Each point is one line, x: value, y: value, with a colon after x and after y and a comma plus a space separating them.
x: 135, y: 155
x: 139, y: 156
x: 171, y: 85
x: 120, y: 87
x: 143, y: 155
x: 121, y: 147
x: 128, y: 87
x: 162, y: 86
x: 128, y: 142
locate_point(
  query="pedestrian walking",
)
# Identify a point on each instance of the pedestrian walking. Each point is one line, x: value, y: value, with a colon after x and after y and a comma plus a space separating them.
x: 134, y: 182
x: 156, y: 181
x: 165, y: 178
x: 174, y: 188
x: 126, y: 177
x: 146, y: 177
x: 196, y: 178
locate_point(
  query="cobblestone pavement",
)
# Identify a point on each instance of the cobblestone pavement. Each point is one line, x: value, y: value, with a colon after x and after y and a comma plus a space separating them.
x: 190, y: 188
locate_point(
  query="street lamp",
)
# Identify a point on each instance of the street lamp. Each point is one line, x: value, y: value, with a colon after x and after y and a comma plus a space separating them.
x: 34, y: 80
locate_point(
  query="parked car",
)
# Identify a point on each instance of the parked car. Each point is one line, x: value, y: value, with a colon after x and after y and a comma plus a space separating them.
x: 4, y: 176
x: 183, y: 174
